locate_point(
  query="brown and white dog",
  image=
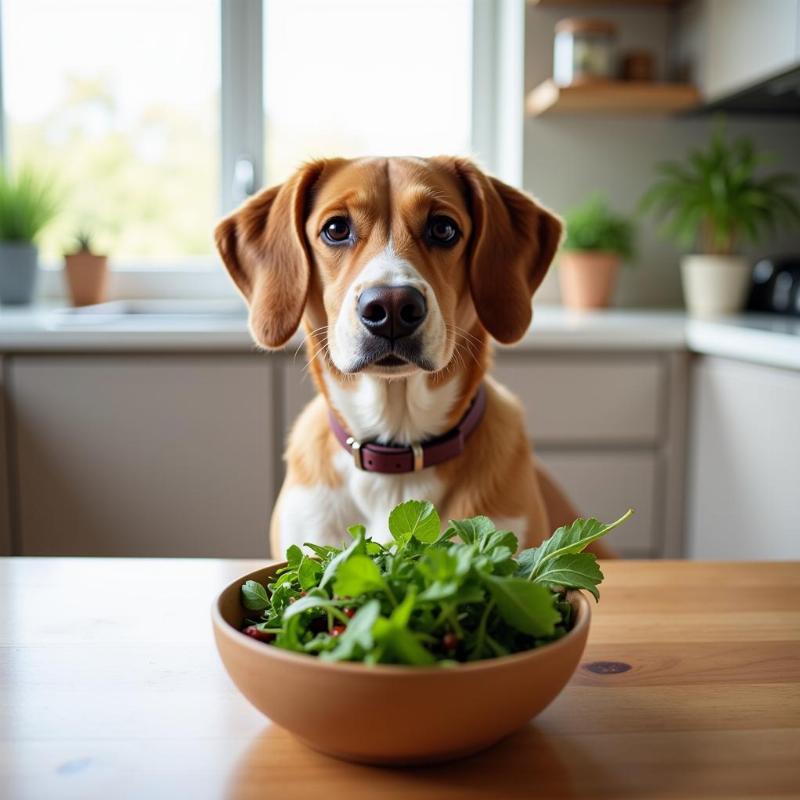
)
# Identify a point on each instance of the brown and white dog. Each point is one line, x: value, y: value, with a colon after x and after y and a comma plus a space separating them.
x: 400, y: 270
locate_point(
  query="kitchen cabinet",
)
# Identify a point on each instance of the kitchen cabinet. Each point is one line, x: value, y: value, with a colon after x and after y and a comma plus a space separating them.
x: 747, y: 42
x: 563, y: 405
x: 609, y: 426
x: 744, y: 463
x: 143, y: 455
x: 604, y: 484
x: 5, y: 509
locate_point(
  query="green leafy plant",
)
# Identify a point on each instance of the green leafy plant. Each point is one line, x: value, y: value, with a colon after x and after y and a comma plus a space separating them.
x: 28, y: 202
x: 715, y: 198
x: 594, y: 226
x: 429, y: 597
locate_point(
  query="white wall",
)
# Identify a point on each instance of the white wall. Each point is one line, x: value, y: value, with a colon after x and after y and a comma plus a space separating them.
x: 567, y: 157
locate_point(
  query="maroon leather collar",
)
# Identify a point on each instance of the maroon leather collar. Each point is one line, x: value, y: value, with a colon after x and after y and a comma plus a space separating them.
x: 396, y: 459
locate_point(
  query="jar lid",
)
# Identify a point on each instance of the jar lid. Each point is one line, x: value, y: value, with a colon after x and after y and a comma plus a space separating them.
x: 585, y: 25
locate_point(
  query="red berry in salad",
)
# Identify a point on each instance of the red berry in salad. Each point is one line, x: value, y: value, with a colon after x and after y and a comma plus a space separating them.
x: 450, y: 641
x: 262, y: 636
x: 349, y: 612
x: 337, y: 630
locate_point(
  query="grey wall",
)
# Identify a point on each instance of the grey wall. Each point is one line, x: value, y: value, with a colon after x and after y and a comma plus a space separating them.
x: 568, y: 157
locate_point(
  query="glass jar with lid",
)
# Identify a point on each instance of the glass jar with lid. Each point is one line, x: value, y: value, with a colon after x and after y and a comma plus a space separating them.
x: 585, y: 51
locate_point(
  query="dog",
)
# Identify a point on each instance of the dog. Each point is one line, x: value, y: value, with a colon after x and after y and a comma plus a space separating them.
x: 401, y: 271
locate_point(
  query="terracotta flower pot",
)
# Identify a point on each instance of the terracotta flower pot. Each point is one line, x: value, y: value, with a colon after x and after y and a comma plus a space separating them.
x: 87, y: 277
x: 587, y: 278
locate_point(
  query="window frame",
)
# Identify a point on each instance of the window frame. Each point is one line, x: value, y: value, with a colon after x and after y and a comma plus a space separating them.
x: 497, y: 118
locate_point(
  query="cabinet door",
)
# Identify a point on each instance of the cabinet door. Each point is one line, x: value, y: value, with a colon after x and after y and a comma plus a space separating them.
x: 143, y: 455
x: 744, y: 462
x: 298, y: 391
x: 583, y: 399
x: 748, y: 42
x: 605, y: 485
x: 5, y: 511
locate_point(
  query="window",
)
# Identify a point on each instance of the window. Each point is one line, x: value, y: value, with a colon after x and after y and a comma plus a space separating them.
x: 152, y: 115
x: 119, y: 101
x: 359, y: 77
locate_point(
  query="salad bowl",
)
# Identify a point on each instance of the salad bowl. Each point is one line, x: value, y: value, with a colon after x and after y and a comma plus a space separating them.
x: 394, y: 714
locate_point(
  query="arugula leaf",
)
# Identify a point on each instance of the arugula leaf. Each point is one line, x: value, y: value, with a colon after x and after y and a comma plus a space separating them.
x: 356, y: 546
x: 438, y: 565
x: 402, y: 613
x: 415, y: 518
x: 571, y: 538
x: 357, y: 637
x: 357, y: 530
x: 289, y: 637
x: 528, y: 607
x: 324, y: 551
x: 403, y: 646
x: 500, y: 539
x: 575, y: 570
x: 437, y: 591
x: 358, y: 575
x: 254, y: 596
x: 472, y: 530
x: 397, y: 641
x: 315, y: 599
x: 308, y: 573
x: 294, y: 555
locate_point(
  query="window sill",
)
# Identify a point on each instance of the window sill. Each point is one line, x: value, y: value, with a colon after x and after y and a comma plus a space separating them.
x: 183, y: 280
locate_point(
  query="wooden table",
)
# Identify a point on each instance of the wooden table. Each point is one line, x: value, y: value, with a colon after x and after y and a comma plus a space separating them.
x: 111, y: 688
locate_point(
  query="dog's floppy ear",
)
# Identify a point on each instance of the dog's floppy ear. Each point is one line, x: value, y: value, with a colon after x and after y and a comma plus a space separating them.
x: 264, y: 248
x: 512, y: 244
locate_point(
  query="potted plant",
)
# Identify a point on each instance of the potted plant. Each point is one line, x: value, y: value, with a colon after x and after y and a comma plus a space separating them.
x: 597, y: 241
x: 87, y: 272
x: 27, y: 203
x: 713, y: 201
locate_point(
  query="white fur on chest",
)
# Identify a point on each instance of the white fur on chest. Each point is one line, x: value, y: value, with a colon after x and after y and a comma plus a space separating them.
x: 402, y: 411
x: 373, y: 495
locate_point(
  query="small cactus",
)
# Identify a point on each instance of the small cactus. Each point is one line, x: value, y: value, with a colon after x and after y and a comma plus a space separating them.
x: 83, y: 241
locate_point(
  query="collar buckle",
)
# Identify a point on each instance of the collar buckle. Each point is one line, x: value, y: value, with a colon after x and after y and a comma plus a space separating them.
x: 419, y: 456
x: 355, y: 447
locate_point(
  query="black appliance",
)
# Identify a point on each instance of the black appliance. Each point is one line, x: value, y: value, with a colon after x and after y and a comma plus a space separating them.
x: 776, y: 286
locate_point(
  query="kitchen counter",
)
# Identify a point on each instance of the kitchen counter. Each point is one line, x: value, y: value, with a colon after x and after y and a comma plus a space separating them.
x: 111, y: 687
x: 207, y: 326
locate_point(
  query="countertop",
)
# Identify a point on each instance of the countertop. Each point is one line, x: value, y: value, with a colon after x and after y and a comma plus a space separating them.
x: 206, y: 326
x: 110, y: 686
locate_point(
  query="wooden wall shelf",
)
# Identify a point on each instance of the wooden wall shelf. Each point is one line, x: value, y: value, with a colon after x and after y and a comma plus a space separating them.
x: 615, y: 97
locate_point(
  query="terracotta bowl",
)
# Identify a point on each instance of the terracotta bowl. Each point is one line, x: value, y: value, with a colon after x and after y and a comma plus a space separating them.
x: 394, y: 714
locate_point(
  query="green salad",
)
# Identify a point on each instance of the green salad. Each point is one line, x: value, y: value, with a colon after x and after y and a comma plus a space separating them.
x: 429, y: 597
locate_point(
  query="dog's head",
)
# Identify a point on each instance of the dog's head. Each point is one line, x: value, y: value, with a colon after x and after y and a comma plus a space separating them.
x: 391, y: 258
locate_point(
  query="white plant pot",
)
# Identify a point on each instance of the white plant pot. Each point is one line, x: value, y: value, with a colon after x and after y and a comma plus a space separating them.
x: 714, y: 285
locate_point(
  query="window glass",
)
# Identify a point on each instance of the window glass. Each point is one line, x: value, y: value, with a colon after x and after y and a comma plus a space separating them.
x: 365, y: 77
x: 119, y: 101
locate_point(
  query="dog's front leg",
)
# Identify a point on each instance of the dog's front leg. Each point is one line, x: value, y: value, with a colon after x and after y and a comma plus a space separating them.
x: 310, y: 513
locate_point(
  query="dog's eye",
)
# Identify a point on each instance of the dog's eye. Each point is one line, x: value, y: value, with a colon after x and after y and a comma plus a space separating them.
x: 442, y: 231
x: 336, y: 230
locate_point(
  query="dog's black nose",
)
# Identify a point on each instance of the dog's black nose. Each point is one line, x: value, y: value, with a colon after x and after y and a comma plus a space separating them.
x: 392, y: 311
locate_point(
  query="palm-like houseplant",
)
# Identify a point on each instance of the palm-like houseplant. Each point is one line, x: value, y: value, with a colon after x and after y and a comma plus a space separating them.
x: 714, y: 201
x: 597, y: 240
x: 28, y: 202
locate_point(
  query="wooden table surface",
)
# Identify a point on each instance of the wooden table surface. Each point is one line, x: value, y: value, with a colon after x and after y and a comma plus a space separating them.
x: 110, y: 687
